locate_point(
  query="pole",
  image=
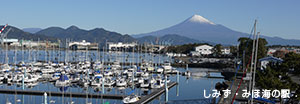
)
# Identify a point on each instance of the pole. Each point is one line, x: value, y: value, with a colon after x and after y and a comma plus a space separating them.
x: 103, y: 85
x: 166, y: 87
x: 252, y: 60
x: 177, y: 87
x: 45, y: 98
x: 255, y: 62
x: 23, y: 87
x: 187, y: 67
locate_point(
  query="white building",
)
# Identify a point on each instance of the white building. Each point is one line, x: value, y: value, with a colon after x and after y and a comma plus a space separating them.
x: 225, y: 51
x: 9, y: 41
x: 266, y: 60
x: 120, y: 46
x: 83, y: 45
x: 204, y: 49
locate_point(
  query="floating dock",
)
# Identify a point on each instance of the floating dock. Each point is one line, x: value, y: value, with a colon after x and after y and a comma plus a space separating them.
x: 155, y: 93
x: 65, y: 94
x: 144, y: 99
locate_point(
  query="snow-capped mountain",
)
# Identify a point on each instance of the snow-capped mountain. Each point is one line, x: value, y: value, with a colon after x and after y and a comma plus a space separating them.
x: 200, y: 28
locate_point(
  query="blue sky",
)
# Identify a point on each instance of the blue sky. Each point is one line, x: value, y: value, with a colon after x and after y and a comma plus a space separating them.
x: 275, y: 17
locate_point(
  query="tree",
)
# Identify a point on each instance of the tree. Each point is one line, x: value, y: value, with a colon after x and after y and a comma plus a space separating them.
x: 233, y: 50
x: 291, y: 61
x: 246, y: 45
x: 217, y: 49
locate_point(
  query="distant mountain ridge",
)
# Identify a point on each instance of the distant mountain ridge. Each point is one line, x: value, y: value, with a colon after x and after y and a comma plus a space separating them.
x: 32, y: 30
x: 200, y: 28
x: 16, y: 33
x: 98, y: 35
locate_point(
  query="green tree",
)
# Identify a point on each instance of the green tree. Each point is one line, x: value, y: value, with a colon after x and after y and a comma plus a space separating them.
x: 246, y: 45
x: 291, y: 61
x: 217, y: 49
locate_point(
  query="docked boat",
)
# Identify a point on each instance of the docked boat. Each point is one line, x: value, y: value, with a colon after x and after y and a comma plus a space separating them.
x: 55, y: 76
x: 109, y: 82
x: 5, y: 68
x: 62, y: 81
x: 30, y: 78
x: 167, y: 67
x: 145, y: 84
x: 97, y: 81
x: 159, y: 70
x: 157, y: 84
x: 74, y: 78
x: 131, y: 99
x: 121, y: 83
x: 116, y: 65
x: 47, y: 70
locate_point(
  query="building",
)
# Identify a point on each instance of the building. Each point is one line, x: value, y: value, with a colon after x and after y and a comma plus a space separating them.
x: 225, y: 50
x: 204, y: 49
x: 120, y: 46
x: 271, y: 51
x: 270, y: 59
x: 83, y: 45
x: 9, y: 41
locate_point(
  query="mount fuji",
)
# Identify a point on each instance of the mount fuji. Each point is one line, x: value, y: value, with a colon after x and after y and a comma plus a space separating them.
x: 200, y: 28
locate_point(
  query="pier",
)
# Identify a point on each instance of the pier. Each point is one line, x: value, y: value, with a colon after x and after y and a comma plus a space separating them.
x: 233, y: 89
x: 155, y: 93
x: 143, y: 100
x: 59, y: 94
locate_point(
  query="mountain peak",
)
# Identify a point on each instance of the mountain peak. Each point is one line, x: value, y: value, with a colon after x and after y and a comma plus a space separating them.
x: 73, y: 27
x: 199, y: 19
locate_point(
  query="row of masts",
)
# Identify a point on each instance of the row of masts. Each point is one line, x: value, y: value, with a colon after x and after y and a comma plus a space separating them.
x: 60, y: 55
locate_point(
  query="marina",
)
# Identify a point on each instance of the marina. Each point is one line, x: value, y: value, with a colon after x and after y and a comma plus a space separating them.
x: 149, y: 52
x: 28, y: 72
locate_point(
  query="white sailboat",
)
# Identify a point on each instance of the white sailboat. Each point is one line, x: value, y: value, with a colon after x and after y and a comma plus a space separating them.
x: 62, y: 81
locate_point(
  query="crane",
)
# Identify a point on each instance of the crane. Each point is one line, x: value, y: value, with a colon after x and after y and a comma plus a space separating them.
x: 3, y: 28
x: 3, y: 35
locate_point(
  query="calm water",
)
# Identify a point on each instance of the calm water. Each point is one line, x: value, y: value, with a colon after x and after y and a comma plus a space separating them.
x: 189, y: 88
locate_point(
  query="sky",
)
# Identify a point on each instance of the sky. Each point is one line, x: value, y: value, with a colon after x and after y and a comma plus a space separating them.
x: 275, y: 17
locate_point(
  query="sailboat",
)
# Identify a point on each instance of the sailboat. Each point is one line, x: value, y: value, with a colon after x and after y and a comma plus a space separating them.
x: 97, y: 81
x: 62, y: 81
x: 30, y: 78
x: 121, y: 82
x: 5, y: 68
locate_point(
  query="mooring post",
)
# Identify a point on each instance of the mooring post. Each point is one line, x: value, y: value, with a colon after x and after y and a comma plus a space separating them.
x: 103, y: 85
x: 187, y: 67
x: 23, y: 87
x: 45, y: 98
x: 133, y: 72
x: 177, y: 77
x: 166, y: 86
x: 24, y: 71
x: 177, y: 87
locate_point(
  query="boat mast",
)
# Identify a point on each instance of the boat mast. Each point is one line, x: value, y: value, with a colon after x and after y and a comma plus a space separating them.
x: 255, y: 63
x: 252, y: 57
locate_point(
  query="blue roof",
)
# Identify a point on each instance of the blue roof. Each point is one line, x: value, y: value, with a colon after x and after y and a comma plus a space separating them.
x: 63, y: 78
x: 271, y: 58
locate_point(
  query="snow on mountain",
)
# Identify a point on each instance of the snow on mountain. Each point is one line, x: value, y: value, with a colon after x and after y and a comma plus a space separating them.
x: 199, y: 19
